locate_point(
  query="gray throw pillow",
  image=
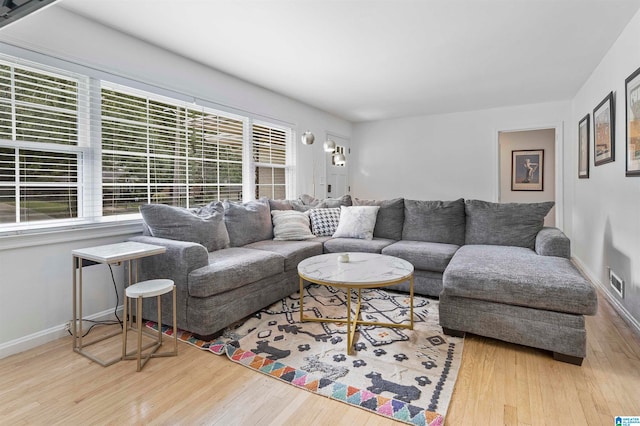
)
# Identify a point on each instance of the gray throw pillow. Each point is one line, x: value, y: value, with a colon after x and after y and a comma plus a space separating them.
x: 434, y: 221
x: 390, y: 217
x: 247, y: 222
x: 280, y: 204
x: 505, y: 224
x: 204, y: 225
x: 327, y: 203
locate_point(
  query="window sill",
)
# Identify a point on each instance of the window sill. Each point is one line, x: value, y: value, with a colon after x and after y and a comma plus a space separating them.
x: 69, y: 233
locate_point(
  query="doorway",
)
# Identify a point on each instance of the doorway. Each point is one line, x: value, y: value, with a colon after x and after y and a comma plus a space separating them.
x: 517, y: 149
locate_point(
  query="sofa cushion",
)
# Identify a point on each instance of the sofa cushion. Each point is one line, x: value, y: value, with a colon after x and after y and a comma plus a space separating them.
x: 423, y: 255
x: 291, y: 225
x: 293, y: 251
x: 390, y: 217
x: 506, y: 224
x: 324, y: 222
x: 247, y: 222
x: 232, y: 268
x: 434, y: 221
x: 340, y: 245
x: 357, y: 222
x: 204, y: 225
x: 518, y: 276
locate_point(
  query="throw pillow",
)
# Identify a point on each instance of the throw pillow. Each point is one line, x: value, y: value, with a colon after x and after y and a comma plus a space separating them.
x: 357, y: 222
x: 203, y: 226
x: 291, y: 225
x: 505, y: 224
x: 434, y: 221
x: 280, y: 204
x: 247, y: 222
x: 324, y: 222
x: 390, y: 217
x: 308, y: 200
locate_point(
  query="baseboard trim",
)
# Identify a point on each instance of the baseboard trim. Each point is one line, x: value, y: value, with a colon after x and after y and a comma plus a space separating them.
x: 34, y: 340
x: 617, y: 306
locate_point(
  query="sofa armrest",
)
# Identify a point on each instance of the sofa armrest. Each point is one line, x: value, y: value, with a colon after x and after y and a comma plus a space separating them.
x: 552, y: 242
x: 176, y: 263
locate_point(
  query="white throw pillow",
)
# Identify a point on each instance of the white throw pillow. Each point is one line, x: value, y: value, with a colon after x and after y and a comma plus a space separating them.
x: 357, y: 222
x: 291, y: 225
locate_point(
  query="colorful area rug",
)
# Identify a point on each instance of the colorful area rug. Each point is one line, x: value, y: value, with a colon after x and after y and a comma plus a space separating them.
x: 399, y: 373
x: 406, y: 375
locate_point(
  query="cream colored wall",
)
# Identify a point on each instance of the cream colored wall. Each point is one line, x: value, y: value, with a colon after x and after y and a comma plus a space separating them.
x: 528, y: 140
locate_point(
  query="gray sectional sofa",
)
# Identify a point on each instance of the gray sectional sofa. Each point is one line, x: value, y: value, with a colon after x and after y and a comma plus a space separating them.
x: 497, y: 271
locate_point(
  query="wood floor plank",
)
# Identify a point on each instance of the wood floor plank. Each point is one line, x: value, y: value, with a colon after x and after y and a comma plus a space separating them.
x: 498, y: 383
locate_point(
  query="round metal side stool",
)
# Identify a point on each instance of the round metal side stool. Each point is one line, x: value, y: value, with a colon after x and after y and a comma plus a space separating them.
x: 137, y: 292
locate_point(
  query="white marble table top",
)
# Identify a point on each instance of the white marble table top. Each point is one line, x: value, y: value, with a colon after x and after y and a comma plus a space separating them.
x: 118, y: 252
x: 363, y: 269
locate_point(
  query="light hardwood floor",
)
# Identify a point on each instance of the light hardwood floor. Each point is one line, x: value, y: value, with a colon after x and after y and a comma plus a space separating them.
x: 498, y: 383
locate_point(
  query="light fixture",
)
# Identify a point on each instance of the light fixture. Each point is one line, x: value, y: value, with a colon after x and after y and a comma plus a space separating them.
x: 308, y: 138
x: 329, y: 146
x: 339, y: 159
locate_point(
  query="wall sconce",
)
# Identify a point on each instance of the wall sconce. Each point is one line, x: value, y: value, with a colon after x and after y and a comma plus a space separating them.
x: 308, y: 138
x: 329, y: 146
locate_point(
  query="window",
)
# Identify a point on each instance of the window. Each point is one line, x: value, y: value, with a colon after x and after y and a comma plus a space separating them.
x: 40, y: 157
x: 158, y: 151
x: 270, y: 160
x: 76, y: 148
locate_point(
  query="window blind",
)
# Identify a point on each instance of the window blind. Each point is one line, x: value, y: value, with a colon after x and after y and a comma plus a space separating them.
x: 269, y: 147
x: 40, y: 158
x: 158, y: 151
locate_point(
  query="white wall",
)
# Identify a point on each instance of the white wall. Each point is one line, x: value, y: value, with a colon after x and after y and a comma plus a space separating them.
x: 544, y: 139
x: 35, y: 290
x: 442, y: 156
x: 606, y: 207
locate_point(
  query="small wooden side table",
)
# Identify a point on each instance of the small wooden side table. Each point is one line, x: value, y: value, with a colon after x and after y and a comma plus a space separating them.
x: 113, y: 254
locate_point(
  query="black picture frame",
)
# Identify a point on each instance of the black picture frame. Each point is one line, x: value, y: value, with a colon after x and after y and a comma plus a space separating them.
x: 527, y: 170
x: 604, y: 135
x: 584, y: 137
x: 632, y: 143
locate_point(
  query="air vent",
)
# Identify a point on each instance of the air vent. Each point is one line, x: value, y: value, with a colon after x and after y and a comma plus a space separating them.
x: 616, y: 283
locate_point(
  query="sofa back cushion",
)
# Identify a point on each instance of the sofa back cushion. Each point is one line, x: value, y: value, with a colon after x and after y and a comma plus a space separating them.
x: 505, y: 224
x: 248, y: 222
x: 434, y: 221
x: 390, y: 217
x: 204, y: 225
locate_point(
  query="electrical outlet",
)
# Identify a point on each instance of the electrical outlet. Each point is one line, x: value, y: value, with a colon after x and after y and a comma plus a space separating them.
x: 616, y: 283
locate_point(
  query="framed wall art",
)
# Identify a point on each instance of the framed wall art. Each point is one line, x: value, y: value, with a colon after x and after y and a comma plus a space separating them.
x: 632, y: 88
x: 583, y: 147
x: 527, y: 170
x: 604, y: 132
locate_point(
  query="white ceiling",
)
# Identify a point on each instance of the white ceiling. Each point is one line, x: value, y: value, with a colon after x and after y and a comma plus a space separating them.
x: 370, y: 60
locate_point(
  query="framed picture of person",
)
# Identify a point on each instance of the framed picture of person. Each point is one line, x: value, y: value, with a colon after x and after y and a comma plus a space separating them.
x: 632, y: 88
x: 583, y: 147
x: 527, y: 170
x: 604, y: 132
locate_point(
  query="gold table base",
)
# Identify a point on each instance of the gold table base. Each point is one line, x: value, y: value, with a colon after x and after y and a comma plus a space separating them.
x: 353, y: 323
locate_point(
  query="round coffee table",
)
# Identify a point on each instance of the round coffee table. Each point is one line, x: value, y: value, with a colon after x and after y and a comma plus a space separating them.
x: 362, y: 271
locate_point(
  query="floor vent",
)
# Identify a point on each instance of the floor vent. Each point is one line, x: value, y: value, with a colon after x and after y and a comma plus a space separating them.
x: 616, y: 283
